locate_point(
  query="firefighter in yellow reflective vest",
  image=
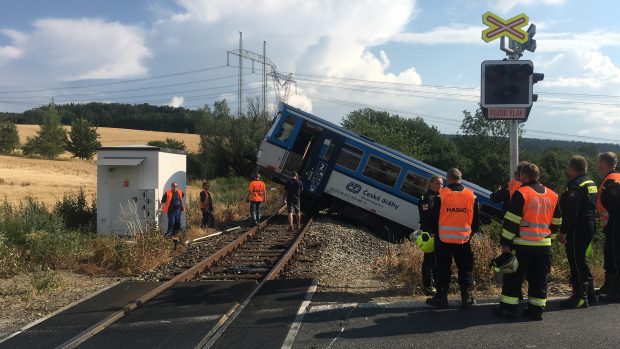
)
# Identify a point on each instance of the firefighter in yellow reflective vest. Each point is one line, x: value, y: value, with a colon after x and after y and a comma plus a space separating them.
x: 454, y: 218
x: 578, y: 204
x: 531, y: 223
x: 608, y: 205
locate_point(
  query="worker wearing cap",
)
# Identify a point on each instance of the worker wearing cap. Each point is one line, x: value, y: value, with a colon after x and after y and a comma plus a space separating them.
x: 172, y: 204
x: 578, y: 204
x: 532, y: 221
x: 608, y: 204
x: 257, y: 195
x: 425, y: 206
x: 454, y: 219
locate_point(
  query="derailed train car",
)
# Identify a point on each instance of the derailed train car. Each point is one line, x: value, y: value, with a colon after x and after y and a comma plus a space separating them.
x: 351, y: 174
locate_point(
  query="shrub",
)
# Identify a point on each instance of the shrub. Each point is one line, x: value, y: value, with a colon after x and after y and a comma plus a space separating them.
x: 45, y: 280
x: 76, y: 213
x: 169, y: 143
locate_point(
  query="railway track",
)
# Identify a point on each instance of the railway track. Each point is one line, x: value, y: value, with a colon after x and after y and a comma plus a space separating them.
x: 259, y: 254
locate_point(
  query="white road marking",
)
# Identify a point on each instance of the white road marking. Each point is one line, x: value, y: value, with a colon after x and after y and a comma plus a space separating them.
x: 292, y: 333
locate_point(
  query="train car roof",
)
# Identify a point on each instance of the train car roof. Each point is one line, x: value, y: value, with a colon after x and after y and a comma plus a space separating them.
x: 366, y: 141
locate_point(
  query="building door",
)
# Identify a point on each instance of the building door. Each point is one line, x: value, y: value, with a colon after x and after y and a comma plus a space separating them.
x: 124, y: 196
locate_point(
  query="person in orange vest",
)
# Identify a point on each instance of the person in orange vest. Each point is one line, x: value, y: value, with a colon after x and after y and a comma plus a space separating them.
x: 172, y: 204
x: 257, y: 194
x: 206, y: 206
x: 578, y: 205
x: 608, y: 203
x: 504, y: 194
x: 455, y: 217
x: 532, y: 221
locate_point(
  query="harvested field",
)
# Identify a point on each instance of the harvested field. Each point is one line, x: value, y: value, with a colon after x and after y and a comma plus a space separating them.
x: 121, y: 136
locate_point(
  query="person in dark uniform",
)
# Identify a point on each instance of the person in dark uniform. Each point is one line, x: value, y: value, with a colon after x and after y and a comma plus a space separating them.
x: 454, y: 219
x: 425, y: 206
x: 502, y: 194
x: 172, y: 204
x: 292, y: 192
x: 608, y: 205
x: 206, y: 206
x: 578, y: 205
x: 530, y: 224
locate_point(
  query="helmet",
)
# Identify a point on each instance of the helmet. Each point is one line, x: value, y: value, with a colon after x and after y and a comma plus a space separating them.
x: 506, y: 263
x: 425, y: 242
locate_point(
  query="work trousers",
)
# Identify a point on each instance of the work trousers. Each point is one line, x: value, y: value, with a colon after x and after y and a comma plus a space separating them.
x: 576, y: 244
x: 255, y: 211
x: 612, y: 246
x: 174, y: 221
x: 537, y: 267
x: 428, y: 270
x: 463, y: 257
x: 207, y: 219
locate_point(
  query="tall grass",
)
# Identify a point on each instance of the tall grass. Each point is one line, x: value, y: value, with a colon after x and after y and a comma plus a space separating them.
x: 403, y: 263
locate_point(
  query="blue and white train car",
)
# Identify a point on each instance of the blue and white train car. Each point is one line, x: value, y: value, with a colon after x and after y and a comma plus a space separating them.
x: 349, y: 173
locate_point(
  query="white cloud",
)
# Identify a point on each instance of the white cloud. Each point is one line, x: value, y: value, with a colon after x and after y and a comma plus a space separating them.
x: 176, y: 101
x: 507, y: 5
x: 453, y: 34
x: 73, y: 49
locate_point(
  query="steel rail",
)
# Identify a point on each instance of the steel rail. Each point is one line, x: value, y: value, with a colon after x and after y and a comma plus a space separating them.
x: 187, y: 275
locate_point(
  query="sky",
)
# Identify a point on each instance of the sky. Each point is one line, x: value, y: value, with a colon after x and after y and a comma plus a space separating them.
x: 412, y: 58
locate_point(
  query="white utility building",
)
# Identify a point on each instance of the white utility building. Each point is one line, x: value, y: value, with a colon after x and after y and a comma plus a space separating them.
x: 131, y: 180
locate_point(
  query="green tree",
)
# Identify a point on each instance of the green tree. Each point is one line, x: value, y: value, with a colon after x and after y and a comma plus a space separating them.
x: 485, y: 144
x: 9, y: 138
x: 169, y: 143
x: 51, y: 138
x: 83, y: 139
x: 411, y: 136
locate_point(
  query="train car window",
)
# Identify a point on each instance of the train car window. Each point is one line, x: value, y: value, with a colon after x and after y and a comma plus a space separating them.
x: 286, y: 129
x: 382, y: 171
x: 414, y: 185
x: 328, y: 149
x: 349, y: 157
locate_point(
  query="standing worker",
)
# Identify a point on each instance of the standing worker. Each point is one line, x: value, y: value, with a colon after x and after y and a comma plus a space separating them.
x: 608, y: 203
x: 578, y: 205
x: 292, y: 198
x: 206, y: 206
x: 532, y: 221
x: 257, y: 194
x: 454, y: 218
x: 173, y: 206
x: 503, y: 195
x: 425, y: 207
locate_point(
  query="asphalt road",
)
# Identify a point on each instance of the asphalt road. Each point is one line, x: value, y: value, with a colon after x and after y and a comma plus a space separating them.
x: 415, y: 325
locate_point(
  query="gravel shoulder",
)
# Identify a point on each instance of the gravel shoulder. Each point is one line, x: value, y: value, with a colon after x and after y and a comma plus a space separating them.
x: 21, y: 304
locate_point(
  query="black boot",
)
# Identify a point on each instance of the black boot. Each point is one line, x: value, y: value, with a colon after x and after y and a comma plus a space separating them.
x: 440, y: 299
x: 592, y: 296
x: 427, y: 282
x: 609, y: 279
x: 579, y: 299
x: 467, y: 300
x: 614, y: 293
x: 533, y: 313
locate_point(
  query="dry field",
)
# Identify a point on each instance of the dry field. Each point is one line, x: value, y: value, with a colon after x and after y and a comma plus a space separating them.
x: 123, y: 136
x: 48, y: 180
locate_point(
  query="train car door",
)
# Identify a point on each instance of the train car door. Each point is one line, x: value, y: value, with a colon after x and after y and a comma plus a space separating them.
x: 321, y: 162
x: 305, y: 144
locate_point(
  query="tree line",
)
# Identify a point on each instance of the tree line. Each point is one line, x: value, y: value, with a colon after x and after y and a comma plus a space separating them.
x: 229, y: 143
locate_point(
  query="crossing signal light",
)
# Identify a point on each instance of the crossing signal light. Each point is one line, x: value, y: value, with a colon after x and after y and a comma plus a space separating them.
x: 507, y: 84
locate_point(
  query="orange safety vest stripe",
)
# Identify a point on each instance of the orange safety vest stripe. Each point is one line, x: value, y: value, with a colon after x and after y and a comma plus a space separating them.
x: 169, y: 200
x: 513, y: 186
x: 456, y: 215
x: 602, y: 211
x: 201, y: 204
x: 256, y: 189
x: 538, y: 212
